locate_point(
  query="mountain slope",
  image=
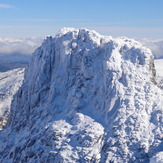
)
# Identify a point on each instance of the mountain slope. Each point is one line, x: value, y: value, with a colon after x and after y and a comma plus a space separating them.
x: 9, y: 84
x: 86, y: 98
x: 159, y: 69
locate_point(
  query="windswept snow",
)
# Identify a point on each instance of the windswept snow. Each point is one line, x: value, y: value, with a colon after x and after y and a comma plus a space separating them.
x: 9, y: 84
x: 158, y: 158
x: 159, y: 66
x: 159, y: 72
x: 86, y: 98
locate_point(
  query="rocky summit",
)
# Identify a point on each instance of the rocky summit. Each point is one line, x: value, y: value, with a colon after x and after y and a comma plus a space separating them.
x: 86, y: 98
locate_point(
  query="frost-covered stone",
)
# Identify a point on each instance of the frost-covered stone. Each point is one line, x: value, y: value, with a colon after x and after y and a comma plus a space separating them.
x: 9, y: 84
x: 159, y: 72
x: 158, y: 158
x: 86, y: 98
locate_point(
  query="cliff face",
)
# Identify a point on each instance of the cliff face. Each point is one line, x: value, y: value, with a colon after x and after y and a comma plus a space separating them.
x: 85, y: 98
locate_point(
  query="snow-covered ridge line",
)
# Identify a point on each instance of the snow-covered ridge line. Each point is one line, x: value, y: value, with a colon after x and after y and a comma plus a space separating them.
x: 10, y: 82
x: 86, y: 98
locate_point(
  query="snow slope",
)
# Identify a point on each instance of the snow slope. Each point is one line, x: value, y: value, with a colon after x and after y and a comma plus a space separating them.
x: 9, y: 84
x: 159, y: 66
x: 159, y: 72
x: 86, y: 98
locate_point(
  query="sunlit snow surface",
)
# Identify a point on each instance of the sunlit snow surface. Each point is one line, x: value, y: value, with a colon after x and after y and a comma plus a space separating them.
x: 159, y: 66
x: 86, y: 98
x: 159, y: 72
x: 158, y: 158
x: 10, y: 82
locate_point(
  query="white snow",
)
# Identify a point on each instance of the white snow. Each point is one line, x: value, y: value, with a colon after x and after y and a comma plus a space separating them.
x: 159, y: 66
x: 9, y: 84
x: 86, y: 98
x: 156, y: 46
x: 158, y: 158
x: 159, y: 72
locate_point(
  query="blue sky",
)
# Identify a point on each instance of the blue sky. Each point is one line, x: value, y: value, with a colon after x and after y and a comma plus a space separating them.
x: 32, y: 18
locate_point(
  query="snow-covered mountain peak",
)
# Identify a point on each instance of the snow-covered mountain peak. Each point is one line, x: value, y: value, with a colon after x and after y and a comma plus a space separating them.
x: 66, y: 30
x: 85, y: 98
x: 70, y: 38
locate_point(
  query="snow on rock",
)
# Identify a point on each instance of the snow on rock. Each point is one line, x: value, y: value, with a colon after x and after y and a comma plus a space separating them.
x: 158, y: 158
x: 9, y: 84
x: 86, y: 98
x: 159, y: 74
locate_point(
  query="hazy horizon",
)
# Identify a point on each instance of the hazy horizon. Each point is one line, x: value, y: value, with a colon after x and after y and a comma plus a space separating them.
x: 134, y: 19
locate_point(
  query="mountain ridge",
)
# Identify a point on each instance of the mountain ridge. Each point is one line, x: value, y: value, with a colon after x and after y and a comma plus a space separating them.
x: 86, y: 98
x: 10, y: 82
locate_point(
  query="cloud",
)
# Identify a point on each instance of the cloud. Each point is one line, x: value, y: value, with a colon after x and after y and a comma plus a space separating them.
x: 20, y: 46
x: 6, y: 6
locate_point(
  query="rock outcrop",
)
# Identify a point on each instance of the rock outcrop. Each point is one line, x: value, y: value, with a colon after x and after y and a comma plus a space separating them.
x: 86, y: 98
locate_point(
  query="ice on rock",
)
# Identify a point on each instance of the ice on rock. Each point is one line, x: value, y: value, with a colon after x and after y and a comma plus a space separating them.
x: 85, y: 98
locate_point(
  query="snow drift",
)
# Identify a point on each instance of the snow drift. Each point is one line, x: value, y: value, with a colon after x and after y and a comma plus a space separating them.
x: 86, y: 98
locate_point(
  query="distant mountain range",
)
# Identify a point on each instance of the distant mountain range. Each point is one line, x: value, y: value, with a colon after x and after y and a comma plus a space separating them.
x: 12, y: 61
x: 156, y: 46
